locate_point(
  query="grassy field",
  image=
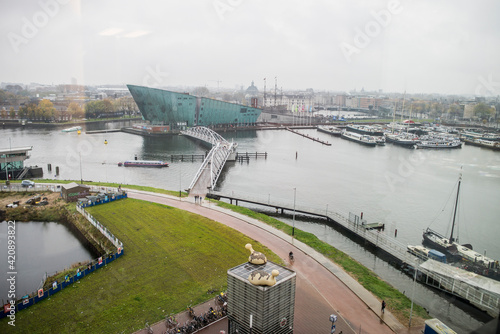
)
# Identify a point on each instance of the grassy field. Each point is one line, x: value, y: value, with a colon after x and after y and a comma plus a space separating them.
x: 397, y: 302
x: 172, y: 257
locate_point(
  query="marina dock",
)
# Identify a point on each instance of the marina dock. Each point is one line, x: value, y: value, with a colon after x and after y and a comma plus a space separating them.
x: 102, y: 131
x: 309, y: 137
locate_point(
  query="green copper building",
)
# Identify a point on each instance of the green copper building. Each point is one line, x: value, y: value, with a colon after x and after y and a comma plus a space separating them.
x: 177, y: 110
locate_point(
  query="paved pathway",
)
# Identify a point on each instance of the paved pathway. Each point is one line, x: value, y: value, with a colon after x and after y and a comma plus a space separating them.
x: 322, y: 287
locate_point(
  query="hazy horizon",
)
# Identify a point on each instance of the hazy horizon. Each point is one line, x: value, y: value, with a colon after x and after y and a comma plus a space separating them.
x: 419, y: 47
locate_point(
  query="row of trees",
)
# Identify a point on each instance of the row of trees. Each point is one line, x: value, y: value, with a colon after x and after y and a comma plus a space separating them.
x: 481, y: 110
x: 43, y: 110
x: 110, y: 108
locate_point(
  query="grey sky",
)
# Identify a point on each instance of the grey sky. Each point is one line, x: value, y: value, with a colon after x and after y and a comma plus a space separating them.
x: 421, y: 46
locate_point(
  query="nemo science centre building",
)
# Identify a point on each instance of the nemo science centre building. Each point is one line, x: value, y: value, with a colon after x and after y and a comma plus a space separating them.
x: 175, y: 111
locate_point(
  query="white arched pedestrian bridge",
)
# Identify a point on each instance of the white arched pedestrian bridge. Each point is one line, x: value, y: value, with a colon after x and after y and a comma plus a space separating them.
x: 207, y: 175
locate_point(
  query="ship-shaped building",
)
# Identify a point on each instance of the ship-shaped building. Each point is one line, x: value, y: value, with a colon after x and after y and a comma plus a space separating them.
x: 180, y: 110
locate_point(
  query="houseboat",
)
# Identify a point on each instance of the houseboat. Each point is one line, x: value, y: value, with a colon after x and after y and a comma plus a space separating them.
x: 359, y: 138
x: 143, y: 163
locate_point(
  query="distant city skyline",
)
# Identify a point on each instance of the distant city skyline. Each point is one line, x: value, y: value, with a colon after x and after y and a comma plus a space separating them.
x: 418, y: 47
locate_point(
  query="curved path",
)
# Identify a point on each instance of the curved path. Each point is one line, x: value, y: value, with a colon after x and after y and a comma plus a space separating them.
x: 322, y: 287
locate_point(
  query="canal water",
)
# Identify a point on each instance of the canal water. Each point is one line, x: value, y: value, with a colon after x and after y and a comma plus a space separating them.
x: 41, y: 247
x: 408, y: 190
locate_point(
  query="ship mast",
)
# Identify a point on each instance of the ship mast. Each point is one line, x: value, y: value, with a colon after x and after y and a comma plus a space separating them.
x: 456, y: 206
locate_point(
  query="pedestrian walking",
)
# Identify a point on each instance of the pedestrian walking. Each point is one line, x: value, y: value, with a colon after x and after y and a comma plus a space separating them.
x: 383, y: 306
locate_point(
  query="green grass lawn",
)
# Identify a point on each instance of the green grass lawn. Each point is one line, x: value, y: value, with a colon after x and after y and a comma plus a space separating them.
x: 172, y: 257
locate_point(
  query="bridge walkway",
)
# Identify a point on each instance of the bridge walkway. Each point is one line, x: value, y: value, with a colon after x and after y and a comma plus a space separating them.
x: 207, y: 175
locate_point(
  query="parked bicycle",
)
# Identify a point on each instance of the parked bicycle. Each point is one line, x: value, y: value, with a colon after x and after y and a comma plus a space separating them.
x: 148, y: 328
x: 170, y: 321
x: 191, y: 311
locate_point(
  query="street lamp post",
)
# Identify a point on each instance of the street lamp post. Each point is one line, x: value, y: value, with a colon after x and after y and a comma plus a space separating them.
x: 106, y: 162
x: 81, y: 174
x: 294, y: 197
x: 412, y: 295
x: 180, y: 181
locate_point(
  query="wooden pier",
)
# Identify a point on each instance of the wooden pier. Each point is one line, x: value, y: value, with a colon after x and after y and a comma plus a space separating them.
x: 245, y: 156
x: 187, y: 157
x: 103, y: 131
x: 309, y: 137
x: 458, y: 283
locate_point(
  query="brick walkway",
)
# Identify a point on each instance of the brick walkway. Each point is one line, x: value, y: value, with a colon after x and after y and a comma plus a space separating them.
x: 322, y: 287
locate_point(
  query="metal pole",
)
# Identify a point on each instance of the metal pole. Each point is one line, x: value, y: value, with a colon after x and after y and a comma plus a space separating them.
x: 251, y: 320
x: 412, y: 295
x: 106, y: 161
x: 81, y: 174
x: 180, y: 187
x: 294, y: 197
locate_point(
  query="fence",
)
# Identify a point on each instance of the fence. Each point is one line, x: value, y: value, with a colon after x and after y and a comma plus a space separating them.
x: 114, y: 240
x: 17, y: 187
x: 95, y: 264
x: 41, y: 294
x: 108, y: 199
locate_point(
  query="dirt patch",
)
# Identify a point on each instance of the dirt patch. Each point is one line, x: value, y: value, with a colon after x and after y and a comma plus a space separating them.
x: 54, y: 199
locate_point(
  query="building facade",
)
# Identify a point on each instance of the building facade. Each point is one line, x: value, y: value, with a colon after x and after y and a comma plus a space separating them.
x: 180, y: 110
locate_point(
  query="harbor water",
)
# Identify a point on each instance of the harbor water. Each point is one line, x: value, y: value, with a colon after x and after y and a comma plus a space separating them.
x: 41, y: 248
x: 408, y: 190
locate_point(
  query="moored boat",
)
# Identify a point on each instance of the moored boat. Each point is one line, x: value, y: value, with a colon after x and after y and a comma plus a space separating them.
x: 426, y: 253
x: 72, y: 129
x: 144, y: 163
x: 333, y: 130
x: 364, y: 130
x: 437, y: 143
x: 380, y: 140
x: 471, y: 260
x: 359, y: 138
x: 402, y: 139
x: 482, y: 143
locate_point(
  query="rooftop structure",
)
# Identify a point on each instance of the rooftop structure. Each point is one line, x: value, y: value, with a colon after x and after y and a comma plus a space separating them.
x: 12, y: 161
x: 270, y: 307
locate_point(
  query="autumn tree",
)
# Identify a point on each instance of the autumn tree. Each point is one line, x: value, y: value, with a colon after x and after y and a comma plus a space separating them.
x: 97, y: 109
x: 3, y: 113
x: 46, y: 109
x: 12, y: 113
x: 454, y: 110
x: 483, y: 111
x: 29, y: 110
x: 75, y: 110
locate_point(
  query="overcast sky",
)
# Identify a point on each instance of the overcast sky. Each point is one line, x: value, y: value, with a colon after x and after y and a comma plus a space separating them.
x: 419, y: 46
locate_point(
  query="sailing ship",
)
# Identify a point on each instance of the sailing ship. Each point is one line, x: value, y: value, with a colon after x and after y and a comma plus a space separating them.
x: 470, y: 259
x: 438, y: 241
